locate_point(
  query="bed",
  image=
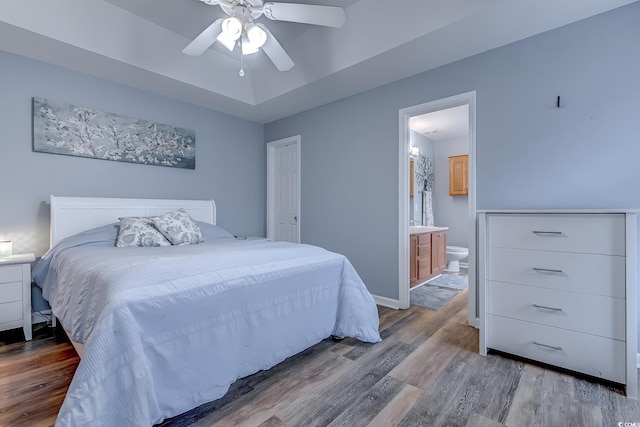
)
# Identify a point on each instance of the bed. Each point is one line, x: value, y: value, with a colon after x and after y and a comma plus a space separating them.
x: 162, y: 330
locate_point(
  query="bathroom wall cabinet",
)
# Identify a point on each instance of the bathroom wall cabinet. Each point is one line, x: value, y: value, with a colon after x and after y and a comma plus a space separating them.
x: 459, y: 175
x: 427, y: 256
x: 559, y: 287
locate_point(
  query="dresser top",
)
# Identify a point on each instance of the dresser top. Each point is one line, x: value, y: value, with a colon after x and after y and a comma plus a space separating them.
x: 559, y: 211
x: 17, y: 259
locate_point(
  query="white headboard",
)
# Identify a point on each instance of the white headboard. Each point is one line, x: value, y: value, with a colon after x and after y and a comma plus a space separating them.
x: 71, y: 215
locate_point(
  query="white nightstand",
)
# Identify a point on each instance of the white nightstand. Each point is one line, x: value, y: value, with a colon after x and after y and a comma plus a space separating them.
x: 15, y: 293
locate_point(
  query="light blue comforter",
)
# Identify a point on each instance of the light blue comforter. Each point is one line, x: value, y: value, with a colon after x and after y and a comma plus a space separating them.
x: 167, y: 329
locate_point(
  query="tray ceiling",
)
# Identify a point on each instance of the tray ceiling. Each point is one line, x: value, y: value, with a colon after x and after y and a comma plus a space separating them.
x: 140, y: 42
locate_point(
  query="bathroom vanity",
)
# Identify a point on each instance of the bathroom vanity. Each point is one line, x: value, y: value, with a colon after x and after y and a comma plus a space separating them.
x: 427, y: 253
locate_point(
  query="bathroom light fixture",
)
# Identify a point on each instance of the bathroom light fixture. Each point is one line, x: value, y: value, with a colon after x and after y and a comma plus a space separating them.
x: 6, y: 249
x: 414, y: 151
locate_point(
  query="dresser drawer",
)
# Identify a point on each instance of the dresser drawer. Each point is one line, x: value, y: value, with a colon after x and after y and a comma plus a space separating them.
x: 10, y: 312
x: 590, y: 354
x: 10, y: 292
x: 594, y: 274
x: 561, y: 309
x: 11, y: 273
x: 583, y: 233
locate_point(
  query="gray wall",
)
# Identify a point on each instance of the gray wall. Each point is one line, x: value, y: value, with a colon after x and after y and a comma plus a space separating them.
x: 450, y: 211
x: 529, y: 153
x: 230, y: 155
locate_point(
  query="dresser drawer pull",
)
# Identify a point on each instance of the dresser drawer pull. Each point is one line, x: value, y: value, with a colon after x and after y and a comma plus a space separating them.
x: 547, y: 270
x: 547, y: 233
x: 544, y: 307
x: 552, y: 347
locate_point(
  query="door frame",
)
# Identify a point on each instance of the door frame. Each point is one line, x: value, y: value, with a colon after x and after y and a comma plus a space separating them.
x: 271, y: 173
x: 468, y: 98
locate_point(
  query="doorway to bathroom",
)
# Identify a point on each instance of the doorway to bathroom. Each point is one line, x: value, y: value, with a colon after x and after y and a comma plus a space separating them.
x: 432, y: 204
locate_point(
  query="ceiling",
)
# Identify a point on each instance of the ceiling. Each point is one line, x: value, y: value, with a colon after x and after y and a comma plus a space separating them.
x: 140, y: 42
x: 444, y: 124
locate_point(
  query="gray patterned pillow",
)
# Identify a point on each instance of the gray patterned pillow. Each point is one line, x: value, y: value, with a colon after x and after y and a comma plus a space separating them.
x: 139, y: 231
x: 178, y: 227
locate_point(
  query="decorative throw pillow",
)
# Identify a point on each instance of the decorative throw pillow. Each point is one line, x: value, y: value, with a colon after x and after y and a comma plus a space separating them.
x: 139, y: 231
x: 178, y: 227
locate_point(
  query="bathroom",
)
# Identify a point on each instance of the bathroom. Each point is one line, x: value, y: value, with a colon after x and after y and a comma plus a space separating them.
x: 434, y: 138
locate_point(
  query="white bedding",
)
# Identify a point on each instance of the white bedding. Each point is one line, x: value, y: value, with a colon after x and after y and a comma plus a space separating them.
x: 167, y: 329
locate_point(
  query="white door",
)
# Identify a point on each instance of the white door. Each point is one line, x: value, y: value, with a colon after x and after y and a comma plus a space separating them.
x: 284, y: 190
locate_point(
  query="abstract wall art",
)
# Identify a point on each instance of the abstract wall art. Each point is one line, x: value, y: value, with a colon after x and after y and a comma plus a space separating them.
x: 60, y: 128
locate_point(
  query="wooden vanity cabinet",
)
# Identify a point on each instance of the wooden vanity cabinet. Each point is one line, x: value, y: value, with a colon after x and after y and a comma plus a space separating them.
x: 438, y: 252
x: 423, y: 257
x: 427, y: 256
x: 413, y: 251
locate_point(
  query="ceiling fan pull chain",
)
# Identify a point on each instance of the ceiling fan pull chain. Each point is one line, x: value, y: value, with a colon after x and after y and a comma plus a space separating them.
x: 241, y: 60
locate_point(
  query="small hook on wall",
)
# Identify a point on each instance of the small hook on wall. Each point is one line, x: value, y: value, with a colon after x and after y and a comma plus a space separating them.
x: 558, y: 102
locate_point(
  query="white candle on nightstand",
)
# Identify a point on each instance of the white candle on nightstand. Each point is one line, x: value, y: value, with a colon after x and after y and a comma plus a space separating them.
x: 6, y: 248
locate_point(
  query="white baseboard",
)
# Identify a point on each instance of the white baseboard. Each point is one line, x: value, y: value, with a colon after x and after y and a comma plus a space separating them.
x: 464, y: 265
x: 387, y: 302
x: 476, y: 324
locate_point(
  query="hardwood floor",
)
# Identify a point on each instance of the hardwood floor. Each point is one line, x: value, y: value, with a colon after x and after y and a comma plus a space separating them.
x: 426, y: 372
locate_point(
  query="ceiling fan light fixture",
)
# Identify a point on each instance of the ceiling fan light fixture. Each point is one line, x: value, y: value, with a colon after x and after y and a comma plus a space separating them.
x: 232, y: 28
x: 239, y: 27
x: 255, y: 35
x: 226, y: 41
x: 248, y: 48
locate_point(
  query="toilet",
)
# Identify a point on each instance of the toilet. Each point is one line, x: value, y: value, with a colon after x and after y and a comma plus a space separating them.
x: 454, y: 255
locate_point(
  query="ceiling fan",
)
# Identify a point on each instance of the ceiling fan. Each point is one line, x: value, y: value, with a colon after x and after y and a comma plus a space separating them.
x: 240, y: 29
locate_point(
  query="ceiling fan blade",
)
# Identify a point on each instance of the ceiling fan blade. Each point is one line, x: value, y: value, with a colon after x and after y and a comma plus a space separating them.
x: 328, y: 16
x: 276, y: 52
x: 204, y: 40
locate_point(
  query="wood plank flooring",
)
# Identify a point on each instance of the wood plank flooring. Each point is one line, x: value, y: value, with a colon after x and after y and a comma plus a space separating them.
x: 426, y: 372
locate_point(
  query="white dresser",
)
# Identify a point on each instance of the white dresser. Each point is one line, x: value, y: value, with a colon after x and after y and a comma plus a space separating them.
x: 15, y: 293
x: 559, y: 287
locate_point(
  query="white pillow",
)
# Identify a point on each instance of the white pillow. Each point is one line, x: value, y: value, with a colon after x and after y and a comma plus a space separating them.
x: 139, y: 231
x: 178, y: 227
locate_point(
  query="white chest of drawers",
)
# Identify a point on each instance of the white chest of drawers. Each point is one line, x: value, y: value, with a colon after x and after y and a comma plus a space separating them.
x: 559, y: 287
x: 15, y: 293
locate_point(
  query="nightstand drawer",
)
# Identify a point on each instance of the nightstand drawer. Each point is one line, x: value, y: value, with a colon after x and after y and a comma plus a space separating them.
x: 10, y: 292
x: 10, y: 312
x: 11, y: 273
x: 582, y: 233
